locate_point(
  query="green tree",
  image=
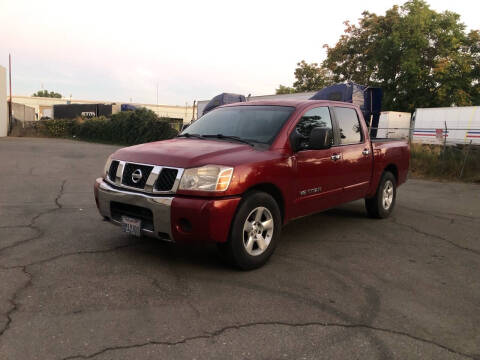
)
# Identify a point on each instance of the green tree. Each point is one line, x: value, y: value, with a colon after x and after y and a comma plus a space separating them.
x: 419, y: 57
x: 282, y: 89
x: 311, y: 77
x: 46, y: 93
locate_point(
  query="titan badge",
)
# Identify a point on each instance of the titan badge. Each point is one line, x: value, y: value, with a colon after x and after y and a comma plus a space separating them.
x: 311, y: 191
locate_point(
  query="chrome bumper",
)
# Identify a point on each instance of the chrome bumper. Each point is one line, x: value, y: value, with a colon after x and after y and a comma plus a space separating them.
x: 159, y: 206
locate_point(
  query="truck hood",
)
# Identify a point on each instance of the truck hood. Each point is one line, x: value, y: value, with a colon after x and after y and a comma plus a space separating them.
x: 186, y: 153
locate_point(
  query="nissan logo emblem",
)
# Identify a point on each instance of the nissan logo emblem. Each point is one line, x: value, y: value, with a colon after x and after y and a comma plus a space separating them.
x: 137, y: 176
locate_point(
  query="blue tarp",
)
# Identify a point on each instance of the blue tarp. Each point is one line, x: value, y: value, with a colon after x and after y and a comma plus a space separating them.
x: 222, y: 99
x: 369, y: 99
x: 127, y: 107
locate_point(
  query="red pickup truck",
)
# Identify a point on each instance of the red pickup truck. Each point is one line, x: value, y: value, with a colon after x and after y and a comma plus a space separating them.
x: 242, y: 171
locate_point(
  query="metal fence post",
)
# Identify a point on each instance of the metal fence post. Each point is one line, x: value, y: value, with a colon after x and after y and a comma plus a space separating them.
x: 445, y: 138
x: 465, y: 160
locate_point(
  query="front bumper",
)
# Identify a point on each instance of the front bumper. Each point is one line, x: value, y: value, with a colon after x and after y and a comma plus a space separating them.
x: 174, y: 218
x: 159, y: 206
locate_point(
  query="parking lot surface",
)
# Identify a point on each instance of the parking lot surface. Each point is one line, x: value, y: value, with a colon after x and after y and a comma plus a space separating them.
x: 340, y: 285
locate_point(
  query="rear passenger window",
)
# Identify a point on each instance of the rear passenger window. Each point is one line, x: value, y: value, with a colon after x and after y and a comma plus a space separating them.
x: 317, y: 117
x: 349, y: 125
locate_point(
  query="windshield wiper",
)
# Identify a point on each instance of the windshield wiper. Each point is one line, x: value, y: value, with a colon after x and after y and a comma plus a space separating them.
x: 188, y: 135
x: 236, y: 138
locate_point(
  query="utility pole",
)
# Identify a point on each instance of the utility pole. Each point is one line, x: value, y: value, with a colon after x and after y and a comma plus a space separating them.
x: 10, y: 107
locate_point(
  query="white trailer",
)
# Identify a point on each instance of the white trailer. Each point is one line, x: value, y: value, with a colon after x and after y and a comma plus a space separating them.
x: 455, y: 125
x: 394, y: 124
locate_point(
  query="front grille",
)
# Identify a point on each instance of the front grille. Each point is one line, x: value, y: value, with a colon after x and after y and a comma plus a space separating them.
x: 166, y: 179
x: 128, y: 171
x: 112, y: 172
x: 118, y: 210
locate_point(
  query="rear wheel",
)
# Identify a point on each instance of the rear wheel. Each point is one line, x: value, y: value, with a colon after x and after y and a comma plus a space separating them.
x: 254, y: 233
x: 381, y: 205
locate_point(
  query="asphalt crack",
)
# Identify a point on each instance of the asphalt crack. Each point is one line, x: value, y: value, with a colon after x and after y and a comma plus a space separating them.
x: 23, y: 268
x: 442, y: 215
x: 59, y: 256
x: 40, y: 233
x: 438, y: 237
x: 209, y: 335
x: 31, y: 225
x: 13, y: 300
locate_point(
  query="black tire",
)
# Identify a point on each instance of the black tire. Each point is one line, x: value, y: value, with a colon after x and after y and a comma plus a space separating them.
x: 234, y: 250
x: 375, y: 205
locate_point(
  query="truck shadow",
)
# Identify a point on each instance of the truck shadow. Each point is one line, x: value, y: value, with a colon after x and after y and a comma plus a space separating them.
x: 206, y: 255
x: 352, y: 210
x: 194, y: 255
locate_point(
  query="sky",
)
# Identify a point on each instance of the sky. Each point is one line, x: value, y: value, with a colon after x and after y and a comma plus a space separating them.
x: 187, y: 50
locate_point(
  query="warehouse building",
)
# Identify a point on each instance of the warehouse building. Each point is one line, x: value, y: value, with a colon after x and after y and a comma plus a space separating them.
x: 44, y: 106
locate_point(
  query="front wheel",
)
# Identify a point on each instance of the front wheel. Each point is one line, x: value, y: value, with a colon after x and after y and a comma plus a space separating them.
x: 254, y: 233
x: 381, y: 205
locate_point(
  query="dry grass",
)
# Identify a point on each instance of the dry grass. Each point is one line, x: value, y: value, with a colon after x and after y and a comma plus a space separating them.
x: 431, y: 161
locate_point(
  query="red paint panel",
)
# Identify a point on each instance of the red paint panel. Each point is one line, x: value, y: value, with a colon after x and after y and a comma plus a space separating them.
x: 315, y: 169
x: 210, y: 219
x: 393, y: 152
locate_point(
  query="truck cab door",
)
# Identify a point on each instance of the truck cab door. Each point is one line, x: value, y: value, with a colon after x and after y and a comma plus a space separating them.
x: 317, y: 181
x: 355, y: 149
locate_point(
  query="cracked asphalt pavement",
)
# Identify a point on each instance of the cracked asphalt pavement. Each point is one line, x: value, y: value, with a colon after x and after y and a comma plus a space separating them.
x: 340, y: 285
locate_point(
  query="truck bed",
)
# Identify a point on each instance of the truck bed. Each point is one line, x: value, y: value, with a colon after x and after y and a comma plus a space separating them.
x: 388, y: 152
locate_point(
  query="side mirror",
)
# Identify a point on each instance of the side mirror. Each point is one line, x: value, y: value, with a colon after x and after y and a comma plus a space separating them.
x: 320, y: 138
x: 297, y: 141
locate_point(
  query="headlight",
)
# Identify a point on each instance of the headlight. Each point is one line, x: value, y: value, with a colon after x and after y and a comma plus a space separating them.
x: 107, y: 166
x: 207, y: 178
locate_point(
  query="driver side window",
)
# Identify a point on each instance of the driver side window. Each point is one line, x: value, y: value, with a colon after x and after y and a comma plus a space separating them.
x: 316, y: 117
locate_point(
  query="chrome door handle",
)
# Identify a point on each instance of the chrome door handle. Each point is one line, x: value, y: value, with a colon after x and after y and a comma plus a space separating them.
x: 335, y: 157
x: 366, y: 151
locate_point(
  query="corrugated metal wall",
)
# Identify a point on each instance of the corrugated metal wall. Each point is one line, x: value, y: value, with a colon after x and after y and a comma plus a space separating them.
x: 22, y: 112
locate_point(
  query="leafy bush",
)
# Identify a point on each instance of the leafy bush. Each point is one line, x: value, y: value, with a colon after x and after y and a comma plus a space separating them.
x: 125, y: 128
x: 58, y: 128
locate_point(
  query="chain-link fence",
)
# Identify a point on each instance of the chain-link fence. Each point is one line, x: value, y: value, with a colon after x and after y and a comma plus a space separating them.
x: 445, y: 153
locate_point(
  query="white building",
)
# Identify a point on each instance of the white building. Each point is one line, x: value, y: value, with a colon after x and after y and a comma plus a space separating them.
x: 3, y: 104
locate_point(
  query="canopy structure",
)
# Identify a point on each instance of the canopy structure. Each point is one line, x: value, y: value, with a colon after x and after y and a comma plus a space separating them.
x: 222, y: 99
x: 369, y: 99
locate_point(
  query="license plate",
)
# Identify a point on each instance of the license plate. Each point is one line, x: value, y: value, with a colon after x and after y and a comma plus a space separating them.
x: 131, y: 226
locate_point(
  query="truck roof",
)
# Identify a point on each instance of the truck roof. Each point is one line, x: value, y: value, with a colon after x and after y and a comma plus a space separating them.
x: 291, y: 102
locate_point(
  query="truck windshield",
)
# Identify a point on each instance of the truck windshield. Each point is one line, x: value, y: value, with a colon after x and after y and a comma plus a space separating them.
x: 255, y: 123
